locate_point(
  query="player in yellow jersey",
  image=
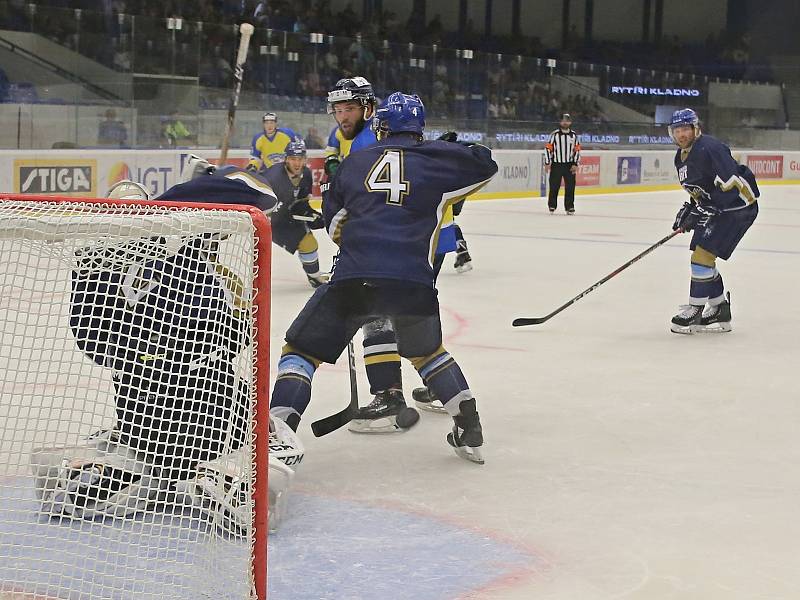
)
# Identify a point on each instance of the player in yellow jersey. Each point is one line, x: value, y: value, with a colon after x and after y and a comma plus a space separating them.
x: 268, y: 146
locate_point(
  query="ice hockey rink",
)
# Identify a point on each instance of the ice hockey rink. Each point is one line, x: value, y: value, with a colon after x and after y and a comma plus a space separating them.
x: 622, y: 460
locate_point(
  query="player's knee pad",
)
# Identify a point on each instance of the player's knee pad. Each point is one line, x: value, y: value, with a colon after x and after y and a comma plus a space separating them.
x: 221, y: 491
x: 99, y: 478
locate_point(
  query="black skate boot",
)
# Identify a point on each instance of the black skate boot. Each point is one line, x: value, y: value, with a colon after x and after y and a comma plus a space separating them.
x: 688, y: 320
x: 463, y: 259
x: 317, y: 280
x: 717, y: 319
x: 427, y: 400
x: 387, y: 413
x: 467, y: 435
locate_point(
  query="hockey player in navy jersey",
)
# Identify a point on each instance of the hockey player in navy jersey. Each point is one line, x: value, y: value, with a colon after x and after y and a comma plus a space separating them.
x: 168, y: 323
x: 293, y: 219
x: 722, y: 208
x: 384, y: 209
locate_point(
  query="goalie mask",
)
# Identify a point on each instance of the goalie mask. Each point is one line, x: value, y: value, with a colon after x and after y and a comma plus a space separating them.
x: 128, y: 190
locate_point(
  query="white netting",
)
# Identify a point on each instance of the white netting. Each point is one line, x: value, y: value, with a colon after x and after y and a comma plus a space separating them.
x: 127, y: 358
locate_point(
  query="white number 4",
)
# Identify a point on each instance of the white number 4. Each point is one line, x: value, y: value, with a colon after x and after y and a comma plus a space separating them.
x: 387, y: 176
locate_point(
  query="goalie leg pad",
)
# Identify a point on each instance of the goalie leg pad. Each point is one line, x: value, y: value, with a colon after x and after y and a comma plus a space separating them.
x: 221, y: 492
x: 100, y: 478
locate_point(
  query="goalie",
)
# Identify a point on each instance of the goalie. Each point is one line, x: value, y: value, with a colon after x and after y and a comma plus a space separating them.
x: 169, y: 324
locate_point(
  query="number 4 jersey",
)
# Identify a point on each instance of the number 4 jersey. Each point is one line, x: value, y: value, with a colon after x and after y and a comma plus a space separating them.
x: 386, y: 204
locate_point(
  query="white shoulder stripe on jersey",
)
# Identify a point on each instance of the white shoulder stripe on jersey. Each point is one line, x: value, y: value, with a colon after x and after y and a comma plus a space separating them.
x: 253, y: 183
x: 740, y: 183
x: 334, y: 231
x: 449, y: 198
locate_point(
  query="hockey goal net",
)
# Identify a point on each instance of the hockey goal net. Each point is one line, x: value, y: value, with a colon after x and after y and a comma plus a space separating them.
x: 134, y: 350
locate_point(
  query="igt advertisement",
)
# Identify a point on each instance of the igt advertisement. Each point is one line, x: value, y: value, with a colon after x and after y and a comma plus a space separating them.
x: 766, y: 166
x: 588, y: 171
x: 629, y: 170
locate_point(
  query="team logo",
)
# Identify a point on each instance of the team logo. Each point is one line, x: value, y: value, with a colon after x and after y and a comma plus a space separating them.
x: 62, y: 177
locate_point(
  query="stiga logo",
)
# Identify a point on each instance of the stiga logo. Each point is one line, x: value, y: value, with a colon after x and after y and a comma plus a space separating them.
x: 62, y: 177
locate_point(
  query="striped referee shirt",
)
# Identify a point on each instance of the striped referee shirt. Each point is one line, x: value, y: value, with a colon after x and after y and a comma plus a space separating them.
x: 563, y: 148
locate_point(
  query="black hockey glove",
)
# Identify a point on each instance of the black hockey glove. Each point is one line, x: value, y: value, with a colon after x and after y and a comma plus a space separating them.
x: 253, y: 168
x: 706, y: 214
x: 686, y: 219
x: 331, y: 165
x: 302, y: 211
x: 448, y: 136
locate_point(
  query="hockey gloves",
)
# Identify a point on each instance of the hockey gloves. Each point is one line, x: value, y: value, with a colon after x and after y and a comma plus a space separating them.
x: 331, y: 165
x: 302, y: 211
x: 692, y: 215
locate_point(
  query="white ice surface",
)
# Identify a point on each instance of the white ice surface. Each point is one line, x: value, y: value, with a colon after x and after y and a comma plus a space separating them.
x: 626, y: 461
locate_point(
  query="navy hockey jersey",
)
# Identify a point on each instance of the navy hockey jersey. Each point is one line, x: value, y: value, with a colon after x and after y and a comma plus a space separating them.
x: 386, y: 204
x: 711, y: 176
x: 284, y: 189
x: 228, y: 185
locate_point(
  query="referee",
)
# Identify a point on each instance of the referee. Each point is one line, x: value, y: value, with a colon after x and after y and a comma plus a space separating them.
x: 562, y: 155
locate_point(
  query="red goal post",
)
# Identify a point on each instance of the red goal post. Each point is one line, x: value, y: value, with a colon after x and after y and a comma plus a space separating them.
x: 83, y: 214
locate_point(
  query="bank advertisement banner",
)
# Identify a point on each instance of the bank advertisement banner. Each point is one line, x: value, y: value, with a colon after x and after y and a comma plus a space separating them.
x: 629, y: 170
x: 658, y: 169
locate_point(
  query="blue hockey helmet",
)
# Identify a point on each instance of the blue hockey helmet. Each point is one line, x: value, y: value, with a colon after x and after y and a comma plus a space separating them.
x: 682, y: 118
x: 296, y: 147
x: 400, y: 113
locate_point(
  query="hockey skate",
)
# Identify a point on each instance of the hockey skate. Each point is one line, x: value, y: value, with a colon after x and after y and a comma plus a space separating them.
x: 318, y: 280
x: 463, y: 259
x: 387, y: 413
x: 688, y: 320
x: 425, y: 399
x: 467, y: 435
x: 570, y: 211
x: 717, y: 319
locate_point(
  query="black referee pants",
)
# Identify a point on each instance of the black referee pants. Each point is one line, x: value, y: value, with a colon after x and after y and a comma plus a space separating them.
x: 559, y: 171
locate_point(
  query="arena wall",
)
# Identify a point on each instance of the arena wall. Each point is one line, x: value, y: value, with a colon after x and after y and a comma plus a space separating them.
x: 521, y: 172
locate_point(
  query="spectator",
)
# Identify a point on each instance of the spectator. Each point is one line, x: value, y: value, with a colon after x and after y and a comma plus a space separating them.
x: 313, y: 139
x: 112, y: 132
x: 174, y: 132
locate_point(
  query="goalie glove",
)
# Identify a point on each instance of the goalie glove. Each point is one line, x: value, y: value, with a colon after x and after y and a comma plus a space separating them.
x: 302, y: 211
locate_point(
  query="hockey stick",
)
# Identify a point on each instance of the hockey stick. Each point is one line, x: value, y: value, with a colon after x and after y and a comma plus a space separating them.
x: 343, y: 417
x: 538, y: 320
x: 246, y: 30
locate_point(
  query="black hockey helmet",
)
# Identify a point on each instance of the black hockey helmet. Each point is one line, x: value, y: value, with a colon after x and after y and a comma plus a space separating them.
x: 352, y: 88
x: 270, y: 116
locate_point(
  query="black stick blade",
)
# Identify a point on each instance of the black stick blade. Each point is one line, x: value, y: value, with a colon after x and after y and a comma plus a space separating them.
x: 332, y: 423
x: 523, y: 322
